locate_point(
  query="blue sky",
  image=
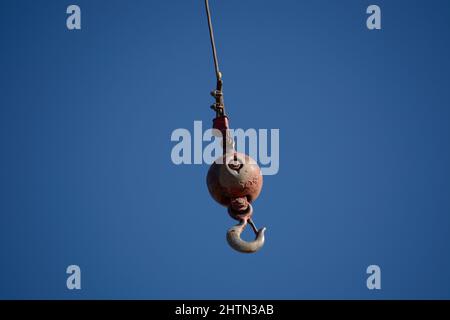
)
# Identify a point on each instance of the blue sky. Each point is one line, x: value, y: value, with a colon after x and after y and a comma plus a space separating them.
x: 86, y: 176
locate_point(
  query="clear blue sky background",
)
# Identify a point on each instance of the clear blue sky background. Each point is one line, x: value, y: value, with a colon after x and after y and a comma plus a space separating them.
x: 86, y: 176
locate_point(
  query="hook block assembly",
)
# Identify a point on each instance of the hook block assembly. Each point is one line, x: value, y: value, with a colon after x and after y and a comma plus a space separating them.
x: 234, y: 180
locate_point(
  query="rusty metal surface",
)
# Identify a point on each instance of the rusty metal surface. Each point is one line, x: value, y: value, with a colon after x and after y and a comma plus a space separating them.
x: 226, y: 182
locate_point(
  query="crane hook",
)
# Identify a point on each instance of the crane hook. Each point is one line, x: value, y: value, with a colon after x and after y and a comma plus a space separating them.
x: 234, y: 233
x: 232, y: 186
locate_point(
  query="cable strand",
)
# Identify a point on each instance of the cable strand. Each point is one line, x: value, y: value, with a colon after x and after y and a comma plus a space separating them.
x: 213, y: 45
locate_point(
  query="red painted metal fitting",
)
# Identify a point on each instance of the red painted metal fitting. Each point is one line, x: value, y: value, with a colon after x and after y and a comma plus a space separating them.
x: 221, y: 123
